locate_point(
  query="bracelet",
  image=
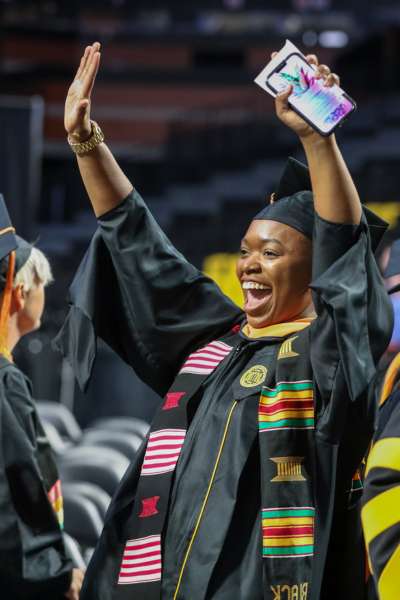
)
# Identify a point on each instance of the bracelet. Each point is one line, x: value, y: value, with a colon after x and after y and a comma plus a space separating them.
x: 96, y: 138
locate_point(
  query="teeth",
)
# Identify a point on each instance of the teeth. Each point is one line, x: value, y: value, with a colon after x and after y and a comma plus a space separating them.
x: 252, y: 285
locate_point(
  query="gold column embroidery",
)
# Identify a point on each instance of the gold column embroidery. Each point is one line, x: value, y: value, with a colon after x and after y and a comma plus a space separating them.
x: 286, y: 350
x: 288, y: 468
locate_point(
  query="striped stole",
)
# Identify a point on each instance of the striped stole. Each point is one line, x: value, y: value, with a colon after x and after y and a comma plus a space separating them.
x: 56, y: 500
x: 141, y: 565
x: 286, y: 439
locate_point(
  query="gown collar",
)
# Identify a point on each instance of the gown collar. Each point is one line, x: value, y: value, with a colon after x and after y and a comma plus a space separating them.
x: 277, y: 330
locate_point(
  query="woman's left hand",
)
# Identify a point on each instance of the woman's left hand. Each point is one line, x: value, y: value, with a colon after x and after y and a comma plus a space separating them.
x: 288, y: 116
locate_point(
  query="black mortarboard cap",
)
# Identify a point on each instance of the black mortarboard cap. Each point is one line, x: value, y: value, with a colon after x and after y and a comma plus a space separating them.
x: 22, y: 253
x: 293, y: 200
x: 293, y: 204
x: 8, y: 239
x: 11, y: 247
x: 295, y: 178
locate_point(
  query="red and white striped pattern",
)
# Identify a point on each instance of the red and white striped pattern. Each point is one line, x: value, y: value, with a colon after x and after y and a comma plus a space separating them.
x: 162, y: 452
x: 205, y: 360
x: 141, y: 561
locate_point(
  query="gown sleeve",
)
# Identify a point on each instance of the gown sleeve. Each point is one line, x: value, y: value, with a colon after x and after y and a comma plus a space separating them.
x: 351, y: 331
x: 33, y: 563
x: 135, y: 291
x: 354, y: 313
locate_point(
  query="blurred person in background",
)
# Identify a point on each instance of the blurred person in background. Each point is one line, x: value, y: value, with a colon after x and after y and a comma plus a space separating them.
x: 33, y: 561
x: 390, y: 259
x: 245, y: 488
x: 381, y: 497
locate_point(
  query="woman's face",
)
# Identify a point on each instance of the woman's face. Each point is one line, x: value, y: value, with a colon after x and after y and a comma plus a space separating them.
x: 29, y: 318
x: 274, y: 270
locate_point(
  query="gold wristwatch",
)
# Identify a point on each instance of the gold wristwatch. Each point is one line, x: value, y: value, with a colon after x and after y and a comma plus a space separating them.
x: 96, y: 138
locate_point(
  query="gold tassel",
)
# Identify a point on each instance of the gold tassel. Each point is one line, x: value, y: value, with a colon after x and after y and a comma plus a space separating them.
x: 5, y: 308
x: 390, y: 378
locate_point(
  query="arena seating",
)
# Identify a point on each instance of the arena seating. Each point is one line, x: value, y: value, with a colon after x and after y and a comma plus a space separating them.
x: 74, y: 551
x: 91, y: 464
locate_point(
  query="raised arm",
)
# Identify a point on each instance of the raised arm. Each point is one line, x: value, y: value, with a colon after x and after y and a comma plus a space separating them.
x: 105, y: 182
x: 133, y: 288
x: 354, y: 315
x: 335, y: 196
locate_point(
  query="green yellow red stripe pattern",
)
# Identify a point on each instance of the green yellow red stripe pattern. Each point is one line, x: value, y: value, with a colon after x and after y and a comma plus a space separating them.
x: 357, y: 482
x: 56, y: 501
x: 288, y: 405
x: 288, y: 532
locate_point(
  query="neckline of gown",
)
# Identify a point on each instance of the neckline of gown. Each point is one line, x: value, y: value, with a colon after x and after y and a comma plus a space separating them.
x: 278, y: 330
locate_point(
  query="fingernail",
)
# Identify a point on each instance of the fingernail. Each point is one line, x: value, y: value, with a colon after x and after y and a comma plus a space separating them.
x: 285, y: 90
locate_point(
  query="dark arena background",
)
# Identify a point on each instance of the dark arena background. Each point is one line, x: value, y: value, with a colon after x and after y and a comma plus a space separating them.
x: 176, y: 100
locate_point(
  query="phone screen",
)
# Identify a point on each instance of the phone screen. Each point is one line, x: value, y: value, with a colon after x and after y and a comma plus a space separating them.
x: 323, y: 106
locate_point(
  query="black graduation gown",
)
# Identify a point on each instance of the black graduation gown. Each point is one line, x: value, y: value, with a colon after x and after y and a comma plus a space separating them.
x: 146, y: 301
x: 33, y: 562
x: 380, y: 512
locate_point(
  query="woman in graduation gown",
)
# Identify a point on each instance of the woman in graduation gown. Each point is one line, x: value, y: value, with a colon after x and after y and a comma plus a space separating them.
x: 245, y: 486
x: 33, y: 561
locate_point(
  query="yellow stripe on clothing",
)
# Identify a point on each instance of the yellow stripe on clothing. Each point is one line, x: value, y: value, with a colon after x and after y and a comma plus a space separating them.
x: 287, y: 521
x: 389, y: 380
x: 385, y: 453
x: 304, y: 540
x: 278, y: 330
x: 389, y: 581
x: 300, y: 395
x: 380, y: 513
x: 58, y: 504
x: 286, y: 414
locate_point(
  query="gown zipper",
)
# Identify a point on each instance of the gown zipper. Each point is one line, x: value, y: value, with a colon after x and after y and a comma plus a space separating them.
x: 204, y: 503
x: 193, y: 429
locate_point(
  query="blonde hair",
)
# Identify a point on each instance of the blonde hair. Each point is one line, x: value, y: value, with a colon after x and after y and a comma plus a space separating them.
x: 34, y: 272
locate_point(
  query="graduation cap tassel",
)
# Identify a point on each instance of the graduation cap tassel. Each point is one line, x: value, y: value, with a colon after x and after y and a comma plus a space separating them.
x: 390, y: 379
x: 5, y: 307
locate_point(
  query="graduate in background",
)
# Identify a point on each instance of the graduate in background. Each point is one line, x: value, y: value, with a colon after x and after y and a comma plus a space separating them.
x: 381, y: 497
x: 245, y: 487
x: 33, y: 562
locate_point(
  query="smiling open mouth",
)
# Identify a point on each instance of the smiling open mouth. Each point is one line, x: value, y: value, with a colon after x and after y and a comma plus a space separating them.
x: 256, y: 295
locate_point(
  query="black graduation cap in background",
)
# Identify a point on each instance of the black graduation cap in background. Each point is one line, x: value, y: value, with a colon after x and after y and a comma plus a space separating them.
x: 293, y: 204
x: 8, y: 244
x: 8, y: 239
x: 14, y: 252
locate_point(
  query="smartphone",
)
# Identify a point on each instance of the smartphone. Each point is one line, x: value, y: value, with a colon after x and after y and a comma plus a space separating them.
x: 324, y: 108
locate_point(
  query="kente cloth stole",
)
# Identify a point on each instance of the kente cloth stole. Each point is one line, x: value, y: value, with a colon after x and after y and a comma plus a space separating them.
x: 56, y: 500
x: 50, y: 476
x: 141, y: 563
x: 286, y: 440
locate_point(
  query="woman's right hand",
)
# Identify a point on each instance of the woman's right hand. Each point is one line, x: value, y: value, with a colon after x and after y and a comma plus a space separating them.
x: 77, y: 104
